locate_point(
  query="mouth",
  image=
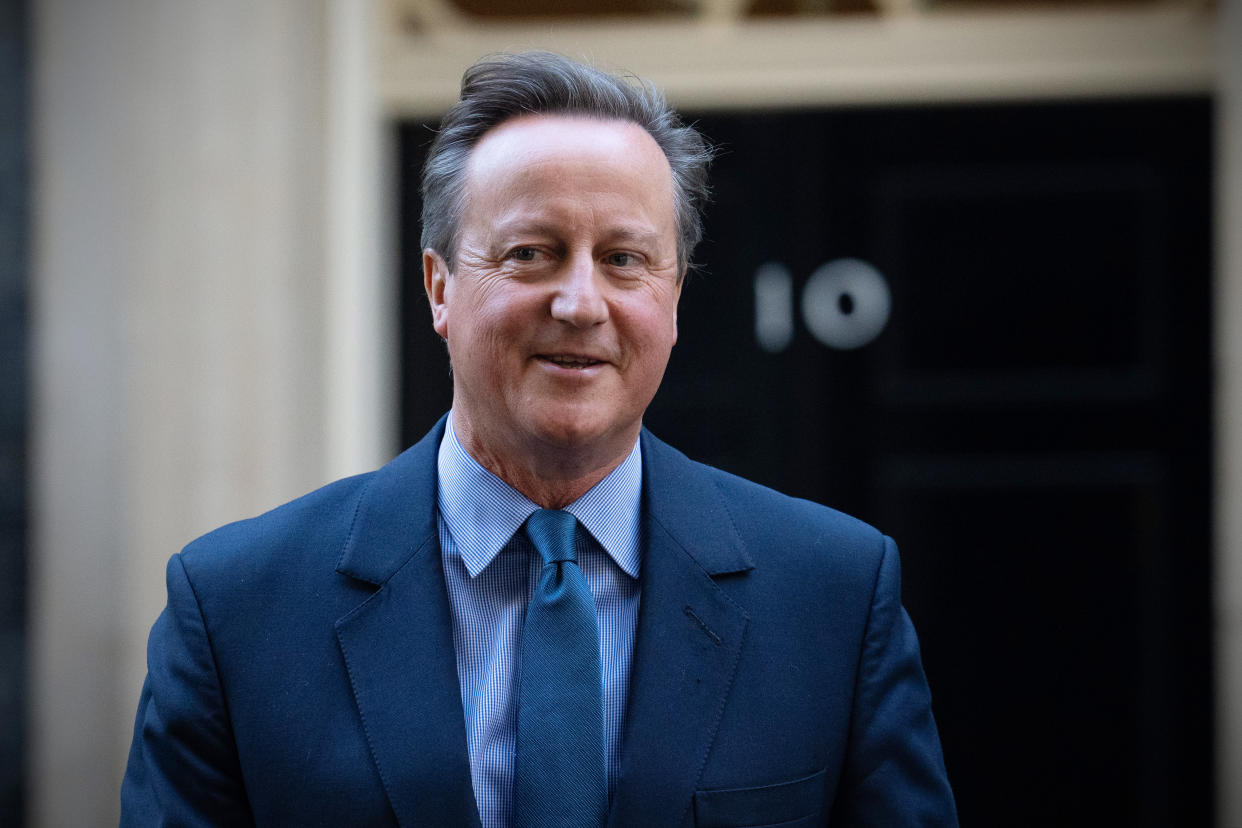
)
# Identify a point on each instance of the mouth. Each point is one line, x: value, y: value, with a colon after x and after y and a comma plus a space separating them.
x: 572, y: 362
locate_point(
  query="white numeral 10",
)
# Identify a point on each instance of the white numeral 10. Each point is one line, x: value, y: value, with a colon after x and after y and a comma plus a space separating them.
x: 845, y: 305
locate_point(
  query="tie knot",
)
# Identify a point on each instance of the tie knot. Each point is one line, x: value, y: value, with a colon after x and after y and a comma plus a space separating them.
x: 552, y: 532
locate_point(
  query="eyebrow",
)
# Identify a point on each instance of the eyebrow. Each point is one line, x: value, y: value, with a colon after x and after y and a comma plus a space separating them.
x: 522, y: 227
x: 618, y: 233
x: 626, y: 234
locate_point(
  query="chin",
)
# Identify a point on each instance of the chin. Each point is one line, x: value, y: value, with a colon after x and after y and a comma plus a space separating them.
x: 576, y: 432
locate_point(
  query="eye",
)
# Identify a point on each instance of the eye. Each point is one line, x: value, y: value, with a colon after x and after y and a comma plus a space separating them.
x: 621, y: 259
x: 523, y: 254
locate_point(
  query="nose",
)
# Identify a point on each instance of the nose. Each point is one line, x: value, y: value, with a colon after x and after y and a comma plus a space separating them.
x: 579, y: 298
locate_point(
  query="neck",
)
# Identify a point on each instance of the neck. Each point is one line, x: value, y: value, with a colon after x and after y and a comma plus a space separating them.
x: 551, y: 475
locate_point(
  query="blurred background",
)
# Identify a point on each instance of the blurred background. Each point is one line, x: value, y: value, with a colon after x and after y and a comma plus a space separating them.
x: 973, y: 272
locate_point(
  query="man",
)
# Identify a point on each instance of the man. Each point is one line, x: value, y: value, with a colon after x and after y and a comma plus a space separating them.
x: 540, y: 614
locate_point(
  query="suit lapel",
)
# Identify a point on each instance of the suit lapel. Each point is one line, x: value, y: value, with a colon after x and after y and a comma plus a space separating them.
x: 690, y: 635
x: 398, y: 645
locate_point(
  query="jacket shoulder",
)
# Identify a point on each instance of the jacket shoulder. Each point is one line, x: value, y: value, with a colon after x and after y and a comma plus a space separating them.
x: 801, y: 534
x: 754, y: 502
x: 768, y: 523
x: 314, y: 525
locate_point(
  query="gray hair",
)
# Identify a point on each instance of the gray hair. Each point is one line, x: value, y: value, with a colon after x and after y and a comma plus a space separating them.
x: 500, y: 87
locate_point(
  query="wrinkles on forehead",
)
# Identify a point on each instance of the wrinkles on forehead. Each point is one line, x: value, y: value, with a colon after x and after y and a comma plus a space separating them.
x: 518, y: 181
x: 531, y: 141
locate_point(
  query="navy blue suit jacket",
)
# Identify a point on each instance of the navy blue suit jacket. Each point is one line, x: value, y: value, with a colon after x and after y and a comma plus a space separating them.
x: 303, y: 671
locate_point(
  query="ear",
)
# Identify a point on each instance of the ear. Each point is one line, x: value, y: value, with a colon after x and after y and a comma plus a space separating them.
x: 676, y: 302
x: 435, y: 282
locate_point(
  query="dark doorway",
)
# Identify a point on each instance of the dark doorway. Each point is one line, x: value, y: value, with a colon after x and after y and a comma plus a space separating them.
x: 14, y: 398
x: 984, y: 329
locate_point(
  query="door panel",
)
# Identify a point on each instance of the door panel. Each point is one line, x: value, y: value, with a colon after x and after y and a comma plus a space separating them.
x: 1028, y: 414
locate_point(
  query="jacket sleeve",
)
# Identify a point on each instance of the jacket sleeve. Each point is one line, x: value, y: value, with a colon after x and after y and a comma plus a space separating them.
x: 895, y: 773
x: 183, y: 768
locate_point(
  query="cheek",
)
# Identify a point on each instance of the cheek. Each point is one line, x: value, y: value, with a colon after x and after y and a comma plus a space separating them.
x: 497, y: 331
x: 649, y: 338
x: 655, y: 319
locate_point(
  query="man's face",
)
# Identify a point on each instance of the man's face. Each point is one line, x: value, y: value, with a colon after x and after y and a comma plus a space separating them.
x: 561, y: 308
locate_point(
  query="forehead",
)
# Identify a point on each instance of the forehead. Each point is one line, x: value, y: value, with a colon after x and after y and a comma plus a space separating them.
x: 530, y: 146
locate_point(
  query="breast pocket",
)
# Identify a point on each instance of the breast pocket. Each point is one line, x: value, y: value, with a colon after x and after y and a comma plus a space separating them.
x: 787, y: 804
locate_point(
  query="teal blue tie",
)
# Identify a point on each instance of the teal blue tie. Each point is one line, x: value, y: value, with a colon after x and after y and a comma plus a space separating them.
x: 559, y: 776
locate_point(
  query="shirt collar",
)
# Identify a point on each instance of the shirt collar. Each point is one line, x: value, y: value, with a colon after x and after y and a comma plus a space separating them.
x: 482, y: 512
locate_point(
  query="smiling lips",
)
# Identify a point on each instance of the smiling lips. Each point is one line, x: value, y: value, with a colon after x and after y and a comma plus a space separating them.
x: 570, y: 360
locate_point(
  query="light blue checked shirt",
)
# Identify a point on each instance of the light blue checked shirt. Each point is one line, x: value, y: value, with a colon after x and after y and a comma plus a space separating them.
x: 491, y: 573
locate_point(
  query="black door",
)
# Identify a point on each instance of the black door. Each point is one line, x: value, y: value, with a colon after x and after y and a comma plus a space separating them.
x: 985, y: 330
